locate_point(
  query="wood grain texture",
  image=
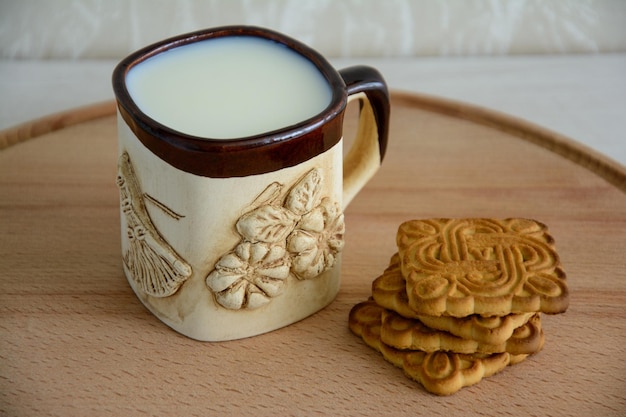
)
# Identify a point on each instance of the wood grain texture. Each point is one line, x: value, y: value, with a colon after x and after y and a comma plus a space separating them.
x: 54, y: 122
x: 74, y: 340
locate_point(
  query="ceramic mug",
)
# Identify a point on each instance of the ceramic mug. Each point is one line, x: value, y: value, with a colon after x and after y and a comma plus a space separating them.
x: 230, y: 237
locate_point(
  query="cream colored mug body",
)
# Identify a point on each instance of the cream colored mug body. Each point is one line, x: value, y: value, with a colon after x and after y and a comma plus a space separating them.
x: 229, y: 238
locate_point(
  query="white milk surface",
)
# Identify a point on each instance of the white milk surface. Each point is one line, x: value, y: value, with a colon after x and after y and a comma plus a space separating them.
x: 229, y: 87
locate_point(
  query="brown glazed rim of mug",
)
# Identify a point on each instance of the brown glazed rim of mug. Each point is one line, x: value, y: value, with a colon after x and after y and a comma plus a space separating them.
x: 221, y: 158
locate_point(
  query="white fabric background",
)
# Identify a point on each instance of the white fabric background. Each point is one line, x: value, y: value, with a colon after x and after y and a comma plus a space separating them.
x: 76, y: 29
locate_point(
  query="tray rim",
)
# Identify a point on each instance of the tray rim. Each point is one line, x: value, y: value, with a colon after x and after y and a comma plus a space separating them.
x: 595, y: 162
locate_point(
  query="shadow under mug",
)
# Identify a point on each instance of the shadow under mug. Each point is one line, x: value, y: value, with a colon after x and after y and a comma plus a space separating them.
x: 229, y: 238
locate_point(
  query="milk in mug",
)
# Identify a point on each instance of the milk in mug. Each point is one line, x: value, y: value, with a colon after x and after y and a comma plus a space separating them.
x: 230, y: 87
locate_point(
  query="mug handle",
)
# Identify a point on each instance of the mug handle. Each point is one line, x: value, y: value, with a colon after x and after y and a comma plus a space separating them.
x: 363, y: 159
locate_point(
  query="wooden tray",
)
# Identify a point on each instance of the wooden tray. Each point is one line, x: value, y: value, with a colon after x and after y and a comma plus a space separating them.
x: 74, y: 340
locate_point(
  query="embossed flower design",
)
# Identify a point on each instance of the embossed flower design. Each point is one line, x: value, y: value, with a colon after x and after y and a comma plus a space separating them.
x: 299, y: 234
x: 317, y: 240
x: 250, y: 275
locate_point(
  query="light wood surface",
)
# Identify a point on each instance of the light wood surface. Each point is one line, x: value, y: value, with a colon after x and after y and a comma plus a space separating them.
x: 74, y: 340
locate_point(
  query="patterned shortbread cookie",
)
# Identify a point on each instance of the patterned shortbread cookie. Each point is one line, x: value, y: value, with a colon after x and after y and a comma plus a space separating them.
x: 411, y: 334
x: 389, y: 291
x: 441, y: 373
x: 459, y: 267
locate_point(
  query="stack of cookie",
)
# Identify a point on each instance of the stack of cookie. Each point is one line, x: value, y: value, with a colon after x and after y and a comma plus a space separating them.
x: 462, y: 299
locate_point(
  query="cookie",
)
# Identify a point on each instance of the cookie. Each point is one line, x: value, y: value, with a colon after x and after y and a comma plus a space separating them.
x: 411, y: 334
x: 389, y: 291
x: 440, y: 372
x: 492, y: 330
x: 460, y: 267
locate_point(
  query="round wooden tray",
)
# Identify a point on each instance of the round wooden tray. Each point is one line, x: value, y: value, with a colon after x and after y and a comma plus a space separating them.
x: 74, y: 340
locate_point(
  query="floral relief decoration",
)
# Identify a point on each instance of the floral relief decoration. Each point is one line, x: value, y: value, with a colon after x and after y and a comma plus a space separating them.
x: 299, y: 235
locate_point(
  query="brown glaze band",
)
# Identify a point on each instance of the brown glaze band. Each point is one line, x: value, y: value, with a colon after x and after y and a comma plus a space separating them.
x: 220, y: 158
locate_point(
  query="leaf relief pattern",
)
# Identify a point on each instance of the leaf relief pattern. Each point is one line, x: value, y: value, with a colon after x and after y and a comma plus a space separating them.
x: 299, y: 235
